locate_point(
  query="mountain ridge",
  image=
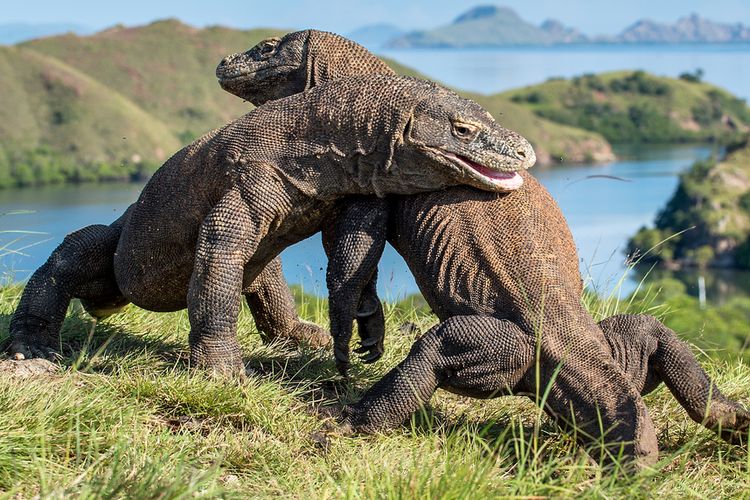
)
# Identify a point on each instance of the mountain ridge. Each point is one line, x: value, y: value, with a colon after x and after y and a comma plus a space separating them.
x: 499, y: 26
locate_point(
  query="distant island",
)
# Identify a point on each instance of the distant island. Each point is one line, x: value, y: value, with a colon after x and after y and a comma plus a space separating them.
x: 495, y: 26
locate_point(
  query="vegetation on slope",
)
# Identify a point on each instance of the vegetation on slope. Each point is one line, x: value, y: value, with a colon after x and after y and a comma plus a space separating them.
x: 706, y: 222
x: 126, y: 418
x: 58, y: 124
x: 166, y: 67
x: 113, y: 105
x: 636, y: 107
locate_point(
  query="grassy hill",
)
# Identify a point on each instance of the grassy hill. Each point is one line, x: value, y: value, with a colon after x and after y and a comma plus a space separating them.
x: 712, y: 206
x: 166, y: 67
x: 53, y: 114
x: 70, y: 100
x: 636, y: 107
x: 553, y: 142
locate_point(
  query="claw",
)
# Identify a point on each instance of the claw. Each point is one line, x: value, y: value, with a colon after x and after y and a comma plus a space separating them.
x: 361, y: 349
x: 342, y: 367
x: 371, y: 358
x: 369, y: 342
x: 342, y: 360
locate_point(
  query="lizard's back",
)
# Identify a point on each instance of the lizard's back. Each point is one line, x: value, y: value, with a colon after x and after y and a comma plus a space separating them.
x: 475, y: 252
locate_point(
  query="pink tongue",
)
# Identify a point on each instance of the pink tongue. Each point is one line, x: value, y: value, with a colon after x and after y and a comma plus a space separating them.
x: 493, y: 174
x: 507, y: 181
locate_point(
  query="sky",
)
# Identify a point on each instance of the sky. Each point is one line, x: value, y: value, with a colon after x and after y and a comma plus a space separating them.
x: 593, y: 17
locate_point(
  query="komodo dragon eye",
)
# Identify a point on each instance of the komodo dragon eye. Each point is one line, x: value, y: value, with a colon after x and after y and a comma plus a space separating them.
x: 268, y: 48
x: 464, y: 131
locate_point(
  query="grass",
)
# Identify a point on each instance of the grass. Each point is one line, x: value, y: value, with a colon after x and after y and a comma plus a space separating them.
x: 127, y: 419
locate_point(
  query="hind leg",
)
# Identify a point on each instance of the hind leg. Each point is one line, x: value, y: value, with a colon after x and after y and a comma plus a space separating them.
x: 272, y: 306
x: 476, y: 356
x: 650, y: 353
x: 80, y: 267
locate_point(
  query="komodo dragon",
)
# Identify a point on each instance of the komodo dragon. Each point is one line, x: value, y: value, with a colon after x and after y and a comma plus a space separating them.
x: 220, y: 209
x: 472, y: 253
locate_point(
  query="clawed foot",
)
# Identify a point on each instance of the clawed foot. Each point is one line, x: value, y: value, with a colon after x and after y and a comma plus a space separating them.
x: 20, y: 350
x: 735, y: 426
x: 336, y: 422
x: 31, y: 339
x: 221, y: 359
x: 310, y: 334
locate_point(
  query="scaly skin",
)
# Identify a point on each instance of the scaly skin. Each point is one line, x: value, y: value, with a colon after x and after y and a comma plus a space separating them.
x: 486, y: 357
x: 507, y: 256
x: 217, y: 212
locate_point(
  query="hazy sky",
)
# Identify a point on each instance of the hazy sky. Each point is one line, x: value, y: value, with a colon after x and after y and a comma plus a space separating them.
x: 591, y: 16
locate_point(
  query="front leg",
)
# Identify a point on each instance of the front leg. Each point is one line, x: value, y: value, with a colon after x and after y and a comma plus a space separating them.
x: 354, y: 246
x: 650, y: 353
x: 476, y: 356
x: 228, y: 237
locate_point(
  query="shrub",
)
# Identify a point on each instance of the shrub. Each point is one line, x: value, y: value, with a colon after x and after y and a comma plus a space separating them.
x: 694, y: 77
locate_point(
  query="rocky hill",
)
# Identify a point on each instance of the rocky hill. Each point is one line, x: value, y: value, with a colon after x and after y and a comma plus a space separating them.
x: 488, y: 26
x: 690, y: 29
x: 115, y: 104
x: 636, y: 107
x: 707, y: 220
x: 493, y: 26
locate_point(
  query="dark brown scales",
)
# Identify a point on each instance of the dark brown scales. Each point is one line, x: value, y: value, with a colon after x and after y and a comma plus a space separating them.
x: 217, y: 212
x: 508, y: 256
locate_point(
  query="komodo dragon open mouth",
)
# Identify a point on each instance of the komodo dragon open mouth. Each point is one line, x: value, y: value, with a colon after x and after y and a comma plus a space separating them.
x: 505, y: 181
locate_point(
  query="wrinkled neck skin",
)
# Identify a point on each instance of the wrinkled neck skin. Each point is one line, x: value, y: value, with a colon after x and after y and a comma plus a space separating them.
x: 330, y: 58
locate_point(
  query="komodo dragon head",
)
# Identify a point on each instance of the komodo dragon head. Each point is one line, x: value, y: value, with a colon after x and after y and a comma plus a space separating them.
x: 280, y: 67
x: 463, y: 137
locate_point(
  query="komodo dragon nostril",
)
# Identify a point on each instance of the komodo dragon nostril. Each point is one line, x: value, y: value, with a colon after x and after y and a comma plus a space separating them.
x: 521, y: 153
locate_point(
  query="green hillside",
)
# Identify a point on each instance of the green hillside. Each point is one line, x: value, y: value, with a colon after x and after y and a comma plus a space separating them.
x: 115, y: 104
x: 636, y: 107
x: 712, y: 206
x: 56, y: 123
x: 165, y: 67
